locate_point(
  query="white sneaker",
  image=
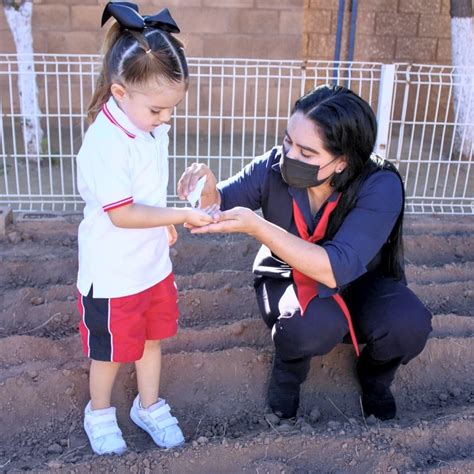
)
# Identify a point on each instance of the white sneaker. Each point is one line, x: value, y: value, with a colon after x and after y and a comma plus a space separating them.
x: 158, y: 423
x: 103, y: 432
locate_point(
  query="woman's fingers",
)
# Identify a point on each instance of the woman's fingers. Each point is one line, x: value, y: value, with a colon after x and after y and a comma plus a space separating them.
x: 189, y: 178
x: 233, y: 220
x: 228, y: 222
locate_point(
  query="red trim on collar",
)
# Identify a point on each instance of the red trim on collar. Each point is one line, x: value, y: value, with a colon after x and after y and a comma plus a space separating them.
x: 112, y: 119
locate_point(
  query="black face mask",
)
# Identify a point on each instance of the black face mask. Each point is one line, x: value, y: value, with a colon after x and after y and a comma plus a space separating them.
x: 301, y: 175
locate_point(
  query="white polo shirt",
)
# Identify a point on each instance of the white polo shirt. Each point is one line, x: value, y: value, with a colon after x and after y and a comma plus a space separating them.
x: 116, y: 165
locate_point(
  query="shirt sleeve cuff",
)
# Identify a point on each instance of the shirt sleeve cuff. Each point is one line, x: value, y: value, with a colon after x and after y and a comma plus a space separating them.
x: 325, y: 292
x: 345, y: 266
x: 114, y: 205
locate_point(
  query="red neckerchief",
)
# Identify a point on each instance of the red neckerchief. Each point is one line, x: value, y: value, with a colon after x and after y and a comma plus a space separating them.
x: 307, y: 288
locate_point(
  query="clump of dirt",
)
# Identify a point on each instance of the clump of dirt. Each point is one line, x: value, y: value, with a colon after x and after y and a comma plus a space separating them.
x: 215, y: 371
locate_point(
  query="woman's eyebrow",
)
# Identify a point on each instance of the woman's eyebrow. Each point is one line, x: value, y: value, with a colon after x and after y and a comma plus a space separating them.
x: 304, y: 147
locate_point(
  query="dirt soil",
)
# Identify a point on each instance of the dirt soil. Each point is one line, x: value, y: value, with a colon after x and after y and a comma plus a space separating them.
x: 215, y: 371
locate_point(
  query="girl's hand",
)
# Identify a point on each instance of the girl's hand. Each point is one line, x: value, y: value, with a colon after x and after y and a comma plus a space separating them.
x: 238, y: 219
x: 172, y: 234
x: 191, y: 176
x: 201, y: 217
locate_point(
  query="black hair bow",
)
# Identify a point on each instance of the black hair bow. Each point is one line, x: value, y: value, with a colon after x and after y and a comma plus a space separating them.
x: 127, y: 16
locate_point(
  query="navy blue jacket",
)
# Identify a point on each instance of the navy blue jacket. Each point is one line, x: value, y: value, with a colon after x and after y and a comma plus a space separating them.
x: 356, y: 246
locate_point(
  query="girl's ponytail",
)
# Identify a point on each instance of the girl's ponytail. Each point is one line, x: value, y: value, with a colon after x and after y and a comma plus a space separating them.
x: 102, y: 88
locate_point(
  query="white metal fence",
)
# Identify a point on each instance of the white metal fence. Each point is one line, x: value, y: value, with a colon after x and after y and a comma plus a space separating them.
x: 236, y: 109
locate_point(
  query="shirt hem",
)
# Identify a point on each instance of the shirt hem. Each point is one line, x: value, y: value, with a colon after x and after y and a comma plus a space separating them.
x: 119, y: 294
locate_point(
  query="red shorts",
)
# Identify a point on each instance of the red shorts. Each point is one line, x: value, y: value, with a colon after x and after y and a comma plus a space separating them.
x: 115, y: 329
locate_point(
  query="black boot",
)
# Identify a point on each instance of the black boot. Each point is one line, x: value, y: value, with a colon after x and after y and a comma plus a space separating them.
x: 375, y: 378
x: 284, y: 386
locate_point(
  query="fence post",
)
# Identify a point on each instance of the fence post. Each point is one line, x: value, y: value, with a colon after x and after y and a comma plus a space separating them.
x: 384, y: 108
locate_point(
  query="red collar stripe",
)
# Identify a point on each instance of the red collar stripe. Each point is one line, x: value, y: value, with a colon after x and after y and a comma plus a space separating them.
x: 112, y: 119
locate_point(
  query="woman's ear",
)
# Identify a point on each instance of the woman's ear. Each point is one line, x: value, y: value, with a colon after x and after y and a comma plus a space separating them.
x: 118, y: 91
x: 341, y: 165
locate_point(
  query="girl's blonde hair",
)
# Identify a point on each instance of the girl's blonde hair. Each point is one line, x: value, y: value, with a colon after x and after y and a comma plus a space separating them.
x: 137, y: 58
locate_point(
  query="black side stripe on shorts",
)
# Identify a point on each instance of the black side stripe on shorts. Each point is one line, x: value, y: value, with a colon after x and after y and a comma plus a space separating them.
x: 96, y: 320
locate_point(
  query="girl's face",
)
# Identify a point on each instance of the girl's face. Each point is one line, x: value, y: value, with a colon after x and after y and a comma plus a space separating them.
x: 149, y: 107
x: 302, y: 142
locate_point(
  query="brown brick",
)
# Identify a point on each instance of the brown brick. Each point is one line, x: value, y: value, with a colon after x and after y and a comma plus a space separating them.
x: 366, y: 23
x: 345, y: 25
x: 193, y: 44
x: 396, y: 25
x: 291, y: 23
x: 68, y: 2
x: 321, y: 47
x: 317, y: 22
x: 378, y: 6
x: 203, y: 20
x: 228, y: 3
x: 444, y: 52
x: 280, y: 4
x: 86, y: 17
x: 249, y: 46
x: 445, y: 7
x: 374, y: 48
x: 8, y: 45
x: 419, y: 49
x: 40, y: 41
x: 3, y: 22
x: 324, y: 5
x: 420, y: 6
x: 51, y: 17
x: 255, y: 21
x: 73, y: 42
x: 173, y: 5
x: 435, y: 26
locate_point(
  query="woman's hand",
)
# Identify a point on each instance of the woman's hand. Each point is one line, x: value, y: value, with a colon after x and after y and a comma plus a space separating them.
x: 191, y: 176
x: 172, y: 234
x: 238, y: 219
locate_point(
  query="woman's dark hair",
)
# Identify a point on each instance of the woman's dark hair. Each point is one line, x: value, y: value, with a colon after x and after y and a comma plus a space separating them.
x: 136, y: 58
x: 347, y: 127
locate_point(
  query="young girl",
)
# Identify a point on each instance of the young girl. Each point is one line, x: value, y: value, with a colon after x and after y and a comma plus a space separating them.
x: 128, y: 297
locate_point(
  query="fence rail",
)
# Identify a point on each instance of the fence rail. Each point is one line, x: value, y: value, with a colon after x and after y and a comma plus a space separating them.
x: 235, y: 110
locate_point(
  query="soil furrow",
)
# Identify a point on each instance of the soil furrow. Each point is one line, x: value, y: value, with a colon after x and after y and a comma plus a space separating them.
x: 215, y: 370
x: 54, y: 313
x: 432, y: 380
x: 57, y: 263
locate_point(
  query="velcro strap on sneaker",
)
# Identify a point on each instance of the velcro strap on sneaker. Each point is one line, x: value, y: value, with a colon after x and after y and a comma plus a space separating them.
x: 162, y: 424
x: 105, y: 430
x: 160, y: 412
x: 101, y: 419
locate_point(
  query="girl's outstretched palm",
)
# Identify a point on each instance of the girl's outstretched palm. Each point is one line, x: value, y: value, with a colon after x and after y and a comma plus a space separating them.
x: 238, y: 219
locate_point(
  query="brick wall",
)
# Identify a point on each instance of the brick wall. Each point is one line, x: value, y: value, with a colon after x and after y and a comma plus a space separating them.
x: 212, y: 28
x: 387, y: 30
